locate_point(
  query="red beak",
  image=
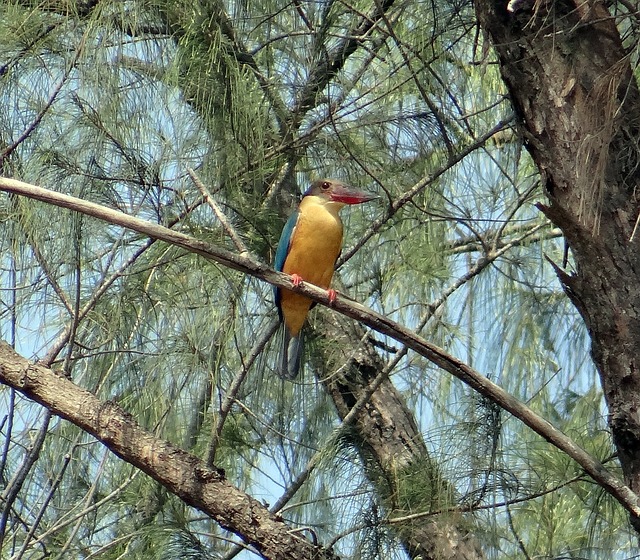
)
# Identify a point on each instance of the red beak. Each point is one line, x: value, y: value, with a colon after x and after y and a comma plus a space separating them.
x: 348, y: 195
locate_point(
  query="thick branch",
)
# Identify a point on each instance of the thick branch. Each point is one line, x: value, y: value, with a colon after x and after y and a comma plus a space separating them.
x: 183, y: 474
x: 358, y: 312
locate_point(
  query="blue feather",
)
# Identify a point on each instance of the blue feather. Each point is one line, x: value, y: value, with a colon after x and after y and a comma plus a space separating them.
x: 291, y: 346
x: 283, y: 250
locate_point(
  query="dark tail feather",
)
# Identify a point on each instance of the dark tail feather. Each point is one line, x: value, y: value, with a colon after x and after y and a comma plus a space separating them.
x: 290, y: 354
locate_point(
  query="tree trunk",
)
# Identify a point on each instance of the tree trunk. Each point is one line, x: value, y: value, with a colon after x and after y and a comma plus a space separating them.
x: 571, y: 83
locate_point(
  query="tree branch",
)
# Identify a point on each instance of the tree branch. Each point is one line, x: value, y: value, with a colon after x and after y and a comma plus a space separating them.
x: 384, y: 325
x: 420, y: 186
x: 215, y: 207
x: 183, y: 474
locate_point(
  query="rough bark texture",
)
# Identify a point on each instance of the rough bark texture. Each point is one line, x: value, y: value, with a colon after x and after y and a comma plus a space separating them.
x: 392, y: 448
x: 571, y: 82
x: 181, y: 473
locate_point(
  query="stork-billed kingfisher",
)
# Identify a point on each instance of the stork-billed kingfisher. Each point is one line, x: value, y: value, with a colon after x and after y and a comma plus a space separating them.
x: 308, y: 249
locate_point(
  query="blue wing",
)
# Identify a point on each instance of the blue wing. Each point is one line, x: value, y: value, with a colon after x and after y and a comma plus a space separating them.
x: 283, y: 250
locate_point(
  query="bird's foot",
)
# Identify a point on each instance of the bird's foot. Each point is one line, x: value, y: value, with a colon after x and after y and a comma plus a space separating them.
x: 332, y: 296
x: 296, y: 280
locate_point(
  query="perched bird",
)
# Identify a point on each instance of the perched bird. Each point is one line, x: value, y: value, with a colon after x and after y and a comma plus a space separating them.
x: 308, y: 249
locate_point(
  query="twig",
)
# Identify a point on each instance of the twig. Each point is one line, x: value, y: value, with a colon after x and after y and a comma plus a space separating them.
x: 420, y: 186
x: 45, y: 504
x: 226, y: 224
x: 464, y: 508
x: 12, y: 489
x: 96, y: 504
x: 635, y: 228
x: 103, y: 285
x: 232, y: 392
x: 38, y: 118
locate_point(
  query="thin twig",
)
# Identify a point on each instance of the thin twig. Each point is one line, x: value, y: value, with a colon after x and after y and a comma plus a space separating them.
x: 103, y: 286
x: 45, y: 504
x: 465, y: 508
x: 38, y: 118
x: 420, y: 186
x: 635, y: 229
x: 226, y: 224
x: 232, y: 392
x: 89, y: 497
x: 14, y: 486
x: 62, y: 523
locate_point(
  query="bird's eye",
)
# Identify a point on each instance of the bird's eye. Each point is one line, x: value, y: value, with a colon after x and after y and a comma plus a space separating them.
x: 325, y: 185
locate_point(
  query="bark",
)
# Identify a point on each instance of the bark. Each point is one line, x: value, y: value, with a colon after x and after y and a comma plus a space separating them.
x: 571, y: 83
x: 185, y: 475
x: 393, y: 452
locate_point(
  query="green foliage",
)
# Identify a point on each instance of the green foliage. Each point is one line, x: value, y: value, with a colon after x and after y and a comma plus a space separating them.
x: 113, y: 102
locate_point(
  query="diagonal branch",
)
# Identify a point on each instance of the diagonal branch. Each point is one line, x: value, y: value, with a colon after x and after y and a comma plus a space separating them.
x: 183, y: 474
x: 215, y: 207
x: 334, y: 61
x: 368, y: 317
x: 45, y: 109
x: 420, y: 186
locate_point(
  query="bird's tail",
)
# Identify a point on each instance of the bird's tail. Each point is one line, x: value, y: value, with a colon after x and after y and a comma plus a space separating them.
x: 290, y: 353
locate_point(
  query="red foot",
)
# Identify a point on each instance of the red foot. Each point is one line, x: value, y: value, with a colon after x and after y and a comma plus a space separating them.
x: 332, y: 296
x: 296, y: 279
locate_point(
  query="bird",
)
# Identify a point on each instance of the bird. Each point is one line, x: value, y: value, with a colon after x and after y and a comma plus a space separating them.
x: 309, y: 246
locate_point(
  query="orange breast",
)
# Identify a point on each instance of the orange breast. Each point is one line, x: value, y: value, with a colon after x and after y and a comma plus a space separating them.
x: 314, y: 249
